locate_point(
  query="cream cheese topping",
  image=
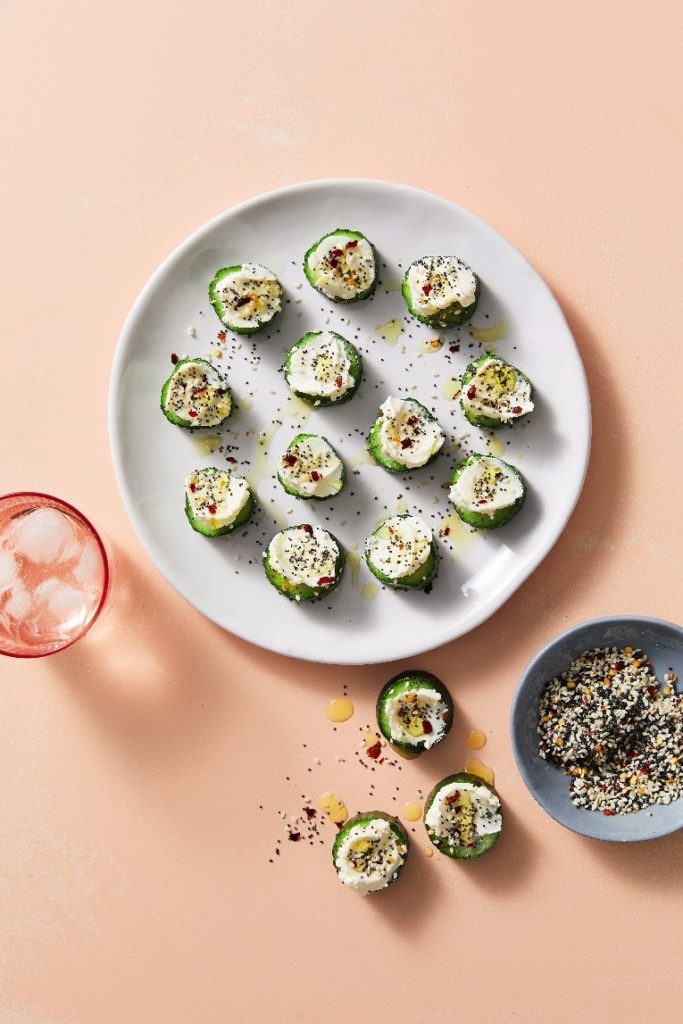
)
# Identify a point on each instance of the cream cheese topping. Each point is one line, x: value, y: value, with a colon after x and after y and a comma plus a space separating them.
x: 197, y: 393
x: 321, y: 368
x: 407, y: 711
x: 445, y: 819
x: 304, y: 555
x: 498, y: 390
x: 401, y: 546
x: 342, y: 266
x: 369, y: 856
x: 250, y: 297
x: 312, y: 468
x: 437, y: 282
x: 487, y: 486
x: 407, y: 435
x: 216, y: 497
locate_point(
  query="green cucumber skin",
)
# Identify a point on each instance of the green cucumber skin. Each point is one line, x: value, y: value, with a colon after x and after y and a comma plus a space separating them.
x: 312, y: 497
x: 309, y: 274
x: 488, y: 422
x: 364, y: 819
x: 403, y: 682
x: 356, y: 369
x: 457, y: 314
x: 375, y: 446
x: 206, y: 531
x: 485, y: 844
x: 177, y: 420
x: 220, y: 310
x: 301, y: 592
x: 479, y: 520
x: 417, y: 580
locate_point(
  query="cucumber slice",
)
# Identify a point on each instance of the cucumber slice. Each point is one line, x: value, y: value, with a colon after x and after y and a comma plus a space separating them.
x: 405, y: 436
x: 370, y: 851
x: 480, y: 481
x: 414, y: 711
x: 323, y: 368
x: 196, y: 395
x: 310, y: 469
x: 441, y: 291
x: 458, y: 834
x: 342, y: 266
x: 401, y: 553
x: 494, y: 394
x: 246, y: 297
x: 217, y: 501
x: 304, y: 562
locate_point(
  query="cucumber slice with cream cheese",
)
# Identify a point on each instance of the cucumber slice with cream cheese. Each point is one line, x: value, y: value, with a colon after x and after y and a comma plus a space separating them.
x: 304, y: 562
x: 369, y: 852
x: 323, y: 368
x: 440, y: 291
x: 311, y: 468
x: 462, y: 816
x: 414, y: 711
x: 217, y: 501
x: 401, y: 553
x: 405, y: 435
x: 494, y: 393
x: 486, y: 492
x: 342, y: 266
x: 246, y: 297
x: 196, y: 395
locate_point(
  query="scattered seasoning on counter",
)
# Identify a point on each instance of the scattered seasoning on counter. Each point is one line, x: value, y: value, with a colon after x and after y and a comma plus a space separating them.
x: 619, y: 735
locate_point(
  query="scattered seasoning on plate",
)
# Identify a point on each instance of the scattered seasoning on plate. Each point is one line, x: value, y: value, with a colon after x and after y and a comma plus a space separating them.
x: 619, y: 735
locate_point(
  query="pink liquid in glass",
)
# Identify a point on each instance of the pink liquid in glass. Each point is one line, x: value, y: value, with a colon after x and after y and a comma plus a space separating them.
x: 54, y: 575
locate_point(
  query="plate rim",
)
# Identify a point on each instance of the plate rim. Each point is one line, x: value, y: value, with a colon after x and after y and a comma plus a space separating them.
x: 137, y: 308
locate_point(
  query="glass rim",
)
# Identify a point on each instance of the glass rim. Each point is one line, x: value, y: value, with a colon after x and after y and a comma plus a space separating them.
x: 105, y: 563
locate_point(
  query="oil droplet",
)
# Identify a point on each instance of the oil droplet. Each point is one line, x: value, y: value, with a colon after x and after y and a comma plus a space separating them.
x: 490, y: 334
x: 278, y: 515
x: 370, y: 591
x: 340, y: 709
x: 476, y: 767
x: 245, y: 403
x: 334, y: 807
x: 409, y: 755
x: 452, y: 529
x: 296, y: 408
x: 207, y: 444
x: 450, y: 388
x: 370, y: 738
x: 412, y: 811
x: 401, y: 507
x: 429, y: 851
x: 429, y: 345
x: 353, y: 563
x: 496, y: 446
x: 364, y: 459
x: 390, y: 331
x: 476, y: 739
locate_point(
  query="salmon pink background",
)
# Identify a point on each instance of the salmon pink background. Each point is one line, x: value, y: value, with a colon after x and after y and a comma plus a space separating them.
x: 136, y: 884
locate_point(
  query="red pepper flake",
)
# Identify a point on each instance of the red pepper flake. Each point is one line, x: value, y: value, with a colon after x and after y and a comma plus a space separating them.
x: 333, y: 263
x: 517, y: 410
x: 309, y: 812
x: 193, y: 487
x: 608, y: 812
x: 243, y: 301
x: 452, y: 798
x: 289, y: 459
x: 407, y: 442
x: 174, y: 358
x: 645, y: 769
x: 427, y: 726
x: 374, y: 751
x: 315, y: 476
x: 619, y: 666
x: 446, y: 530
x: 231, y: 458
x: 325, y: 580
x: 212, y: 509
x: 294, y: 837
x: 336, y: 253
x: 221, y: 335
x: 471, y: 391
x: 192, y: 413
x: 412, y: 420
x: 352, y: 244
x: 483, y: 501
x: 652, y: 691
x: 338, y: 380
x: 307, y: 528
x: 426, y: 288
x: 199, y: 391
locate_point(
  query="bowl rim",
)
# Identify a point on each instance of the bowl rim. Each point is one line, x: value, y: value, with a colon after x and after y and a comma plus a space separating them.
x: 567, y: 634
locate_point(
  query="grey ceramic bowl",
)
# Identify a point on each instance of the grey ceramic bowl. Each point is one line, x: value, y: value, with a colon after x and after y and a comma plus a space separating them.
x: 663, y: 644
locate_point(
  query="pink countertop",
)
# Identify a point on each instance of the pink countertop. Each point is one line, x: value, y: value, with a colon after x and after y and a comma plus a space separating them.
x: 136, y: 884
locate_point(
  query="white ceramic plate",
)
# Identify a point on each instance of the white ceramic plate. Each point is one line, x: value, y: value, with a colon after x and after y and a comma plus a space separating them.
x: 223, y: 578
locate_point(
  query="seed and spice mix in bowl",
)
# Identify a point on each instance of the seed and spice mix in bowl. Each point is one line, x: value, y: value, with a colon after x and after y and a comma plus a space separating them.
x: 597, y: 728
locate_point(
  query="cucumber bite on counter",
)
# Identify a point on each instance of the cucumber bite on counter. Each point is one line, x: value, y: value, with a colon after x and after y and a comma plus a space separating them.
x: 370, y: 851
x: 486, y: 492
x: 494, y: 393
x: 414, y: 711
x: 216, y: 501
x: 462, y: 816
x: 405, y: 435
x: 323, y: 368
x: 441, y: 291
x: 401, y: 553
x: 246, y: 297
x: 196, y: 395
x: 311, y: 468
x: 304, y: 562
x: 341, y: 266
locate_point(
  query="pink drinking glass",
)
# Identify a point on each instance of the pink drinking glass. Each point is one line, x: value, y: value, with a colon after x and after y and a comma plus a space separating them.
x: 54, y: 574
